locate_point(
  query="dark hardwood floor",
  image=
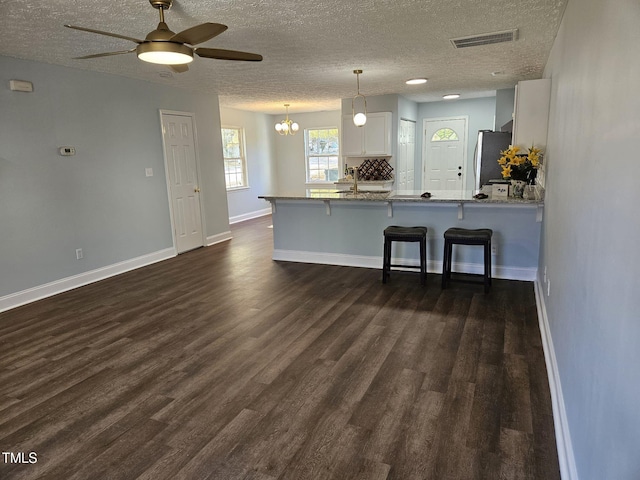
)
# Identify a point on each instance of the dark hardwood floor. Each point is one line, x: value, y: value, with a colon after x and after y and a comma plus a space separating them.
x: 223, y: 364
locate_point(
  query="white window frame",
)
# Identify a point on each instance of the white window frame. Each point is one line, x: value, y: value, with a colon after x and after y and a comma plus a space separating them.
x: 242, y: 158
x: 309, y: 182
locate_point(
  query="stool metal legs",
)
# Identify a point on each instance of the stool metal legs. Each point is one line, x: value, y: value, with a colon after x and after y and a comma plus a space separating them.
x: 487, y: 266
x: 386, y: 261
x: 446, y: 262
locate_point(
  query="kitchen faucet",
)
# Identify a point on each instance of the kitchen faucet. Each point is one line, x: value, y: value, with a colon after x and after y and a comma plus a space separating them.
x: 355, y: 180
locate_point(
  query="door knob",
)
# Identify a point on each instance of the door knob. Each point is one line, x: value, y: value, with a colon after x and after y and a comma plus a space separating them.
x: 196, y: 189
x: 459, y: 174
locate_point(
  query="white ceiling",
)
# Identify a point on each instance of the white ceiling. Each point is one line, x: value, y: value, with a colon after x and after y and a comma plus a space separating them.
x: 310, y: 47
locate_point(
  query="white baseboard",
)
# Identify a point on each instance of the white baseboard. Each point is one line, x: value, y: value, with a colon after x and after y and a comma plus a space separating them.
x: 220, y: 237
x: 568, y: 470
x: 23, y: 297
x: 249, y: 216
x: 511, y: 273
x: 327, y: 258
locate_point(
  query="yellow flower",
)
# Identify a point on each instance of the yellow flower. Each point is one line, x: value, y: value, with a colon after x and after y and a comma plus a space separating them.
x: 506, y: 171
x: 502, y: 160
x: 511, y: 151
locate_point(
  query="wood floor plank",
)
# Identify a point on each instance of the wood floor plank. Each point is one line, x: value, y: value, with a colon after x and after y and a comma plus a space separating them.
x: 224, y: 364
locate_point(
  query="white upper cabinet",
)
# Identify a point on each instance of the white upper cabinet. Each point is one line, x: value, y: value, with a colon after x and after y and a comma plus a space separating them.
x: 374, y: 138
x: 531, y: 113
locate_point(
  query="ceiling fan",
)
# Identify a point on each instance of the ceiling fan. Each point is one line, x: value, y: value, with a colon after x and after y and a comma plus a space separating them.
x: 175, y: 50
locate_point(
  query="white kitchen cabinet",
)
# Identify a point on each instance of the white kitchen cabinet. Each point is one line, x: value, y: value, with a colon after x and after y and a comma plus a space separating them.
x: 531, y: 113
x: 374, y: 138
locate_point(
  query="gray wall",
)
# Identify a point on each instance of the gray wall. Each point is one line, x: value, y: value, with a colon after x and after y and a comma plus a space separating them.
x: 592, y: 233
x: 505, y: 100
x: 260, y: 143
x: 481, y: 113
x: 351, y: 235
x: 407, y: 109
x: 289, y: 157
x: 100, y: 199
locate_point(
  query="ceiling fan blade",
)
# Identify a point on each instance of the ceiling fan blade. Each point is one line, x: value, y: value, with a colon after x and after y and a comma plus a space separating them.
x: 100, y: 32
x: 199, y: 33
x: 107, y: 54
x: 179, y: 68
x: 228, y: 54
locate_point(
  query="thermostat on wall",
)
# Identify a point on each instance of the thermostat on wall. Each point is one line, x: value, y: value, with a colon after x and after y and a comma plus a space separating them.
x: 67, y: 151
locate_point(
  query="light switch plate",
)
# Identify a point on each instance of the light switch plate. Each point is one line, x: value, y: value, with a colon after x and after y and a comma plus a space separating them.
x: 20, y: 86
x: 67, y: 151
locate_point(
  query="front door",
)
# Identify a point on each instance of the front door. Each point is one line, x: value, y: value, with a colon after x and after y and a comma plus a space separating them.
x: 182, y: 174
x: 444, y: 154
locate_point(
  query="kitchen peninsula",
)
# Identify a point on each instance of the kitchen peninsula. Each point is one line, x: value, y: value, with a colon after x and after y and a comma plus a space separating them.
x: 342, y: 228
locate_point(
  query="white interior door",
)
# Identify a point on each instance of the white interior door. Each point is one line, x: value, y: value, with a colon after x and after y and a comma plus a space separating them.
x: 444, y: 154
x: 182, y: 177
x: 406, y: 155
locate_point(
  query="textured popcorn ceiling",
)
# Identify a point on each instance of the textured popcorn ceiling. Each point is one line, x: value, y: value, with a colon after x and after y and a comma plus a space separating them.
x: 310, y: 47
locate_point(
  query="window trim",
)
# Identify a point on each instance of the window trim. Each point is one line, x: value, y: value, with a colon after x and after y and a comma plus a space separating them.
x: 243, y: 157
x: 325, y: 183
x: 449, y: 139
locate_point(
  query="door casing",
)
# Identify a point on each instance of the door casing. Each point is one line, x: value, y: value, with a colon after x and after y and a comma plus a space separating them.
x: 426, y: 142
x: 168, y: 178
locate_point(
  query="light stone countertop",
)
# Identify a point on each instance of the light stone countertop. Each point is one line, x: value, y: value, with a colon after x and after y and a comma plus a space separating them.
x: 405, y: 196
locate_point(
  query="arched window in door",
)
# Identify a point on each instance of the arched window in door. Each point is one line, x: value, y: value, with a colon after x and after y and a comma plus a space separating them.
x: 444, y: 135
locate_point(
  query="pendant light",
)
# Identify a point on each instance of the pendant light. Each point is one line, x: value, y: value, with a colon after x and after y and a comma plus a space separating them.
x: 360, y: 118
x: 287, y: 127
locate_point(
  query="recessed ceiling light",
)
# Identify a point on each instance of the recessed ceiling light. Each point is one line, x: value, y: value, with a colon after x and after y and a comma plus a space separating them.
x: 451, y: 96
x: 416, y: 81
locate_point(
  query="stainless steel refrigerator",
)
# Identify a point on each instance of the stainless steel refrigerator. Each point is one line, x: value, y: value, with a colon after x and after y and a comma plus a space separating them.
x: 486, y: 156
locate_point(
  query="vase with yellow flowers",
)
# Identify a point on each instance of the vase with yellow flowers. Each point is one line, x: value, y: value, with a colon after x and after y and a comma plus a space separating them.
x: 520, y: 168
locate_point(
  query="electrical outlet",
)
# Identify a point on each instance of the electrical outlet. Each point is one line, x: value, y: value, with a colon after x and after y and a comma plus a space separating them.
x: 79, y: 253
x: 548, y: 287
x: 494, y: 249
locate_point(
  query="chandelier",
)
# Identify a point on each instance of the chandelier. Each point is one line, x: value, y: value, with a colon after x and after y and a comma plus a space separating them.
x: 360, y: 118
x: 287, y: 127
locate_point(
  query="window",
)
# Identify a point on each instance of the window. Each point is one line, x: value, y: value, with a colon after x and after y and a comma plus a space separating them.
x: 322, y: 153
x: 235, y: 164
x: 444, y: 135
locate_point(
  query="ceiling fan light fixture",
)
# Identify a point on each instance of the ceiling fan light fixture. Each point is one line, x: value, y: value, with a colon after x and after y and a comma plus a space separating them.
x: 360, y: 118
x: 165, y: 53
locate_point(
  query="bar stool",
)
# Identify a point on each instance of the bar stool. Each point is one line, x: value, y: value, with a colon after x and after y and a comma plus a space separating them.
x: 463, y: 236
x: 404, y: 234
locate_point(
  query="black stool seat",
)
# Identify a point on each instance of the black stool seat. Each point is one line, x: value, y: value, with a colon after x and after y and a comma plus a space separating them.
x: 404, y: 234
x: 410, y: 233
x: 464, y: 236
x: 460, y: 235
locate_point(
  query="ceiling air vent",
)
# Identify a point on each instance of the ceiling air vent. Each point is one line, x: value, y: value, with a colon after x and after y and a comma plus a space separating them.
x: 486, y: 39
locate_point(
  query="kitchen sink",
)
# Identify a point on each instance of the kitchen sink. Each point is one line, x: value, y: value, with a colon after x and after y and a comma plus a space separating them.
x: 361, y: 190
